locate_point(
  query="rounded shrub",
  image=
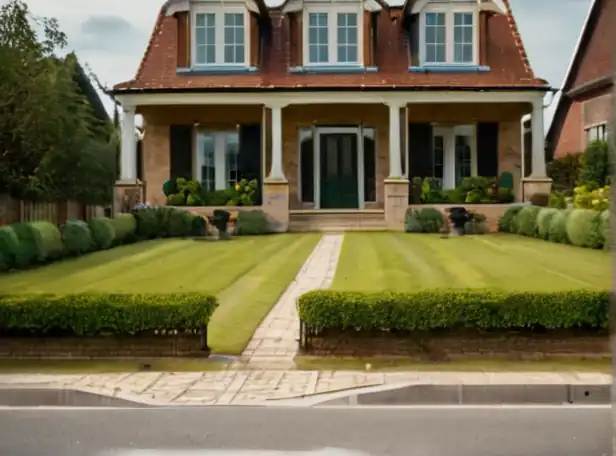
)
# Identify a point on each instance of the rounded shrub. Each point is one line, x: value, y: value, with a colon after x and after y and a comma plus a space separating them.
x: 558, y: 227
x: 163, y: 220
x: 38, y: 242
x: 27, y: 252
x: 198, y: 226
x: 430, y: 219
x: 125, y: 228
x: 506, y: 223
x: 544, y: 219
x: 584, y: 228
x: 605, y: 228
x: 9, y: 246
x: 147, y: 222
x: 180, y: 224
x: 527, y: 220
x: 251, y: 223
x: 102, y: 231
x: 411, y: 223
x: 76, y: 237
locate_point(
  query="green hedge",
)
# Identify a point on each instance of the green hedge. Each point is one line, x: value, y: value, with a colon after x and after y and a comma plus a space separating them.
x: 506, y: 223
x: 180, y: 223
x: 98, y: 314
x: 38, y: 242
x: 526, y: 221
x: 605, y: 229
x: 558, y: 227
x: 251, y: 223
x: 425, y: 220
x: 125, y: 228
x: 584, y: 228
x: 77, y: 237
x: 9, y: 248
x: 544, y: 219
x: 452, y: 309
x: 103, y: 233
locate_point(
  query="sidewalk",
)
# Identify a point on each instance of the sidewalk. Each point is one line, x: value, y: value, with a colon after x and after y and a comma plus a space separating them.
x: 260, y: 387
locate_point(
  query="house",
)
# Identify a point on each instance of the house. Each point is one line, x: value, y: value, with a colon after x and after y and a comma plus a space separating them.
x: 586, y: 104
x: 332, y: 105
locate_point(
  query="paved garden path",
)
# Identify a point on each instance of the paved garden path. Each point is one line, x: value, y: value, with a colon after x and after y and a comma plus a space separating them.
x: 275, y: 340
x: 263, y: 387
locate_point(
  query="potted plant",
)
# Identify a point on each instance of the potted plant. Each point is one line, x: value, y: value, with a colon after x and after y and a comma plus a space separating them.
x: 459, y: 216
x: 220, y: 220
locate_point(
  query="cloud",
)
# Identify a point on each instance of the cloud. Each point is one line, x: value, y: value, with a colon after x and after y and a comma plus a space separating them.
x: 109, y: 34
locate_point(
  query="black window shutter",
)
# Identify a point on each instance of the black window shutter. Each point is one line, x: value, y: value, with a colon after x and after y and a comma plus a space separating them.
x: 180, y: 150
x: 487, y: 149
x: 250, y: 157
x: 420, y: 150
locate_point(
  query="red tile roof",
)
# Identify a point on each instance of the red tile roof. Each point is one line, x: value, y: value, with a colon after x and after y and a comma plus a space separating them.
x: 506, y: 58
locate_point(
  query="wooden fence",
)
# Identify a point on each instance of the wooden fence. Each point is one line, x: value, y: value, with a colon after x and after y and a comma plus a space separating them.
x: 12, y: 211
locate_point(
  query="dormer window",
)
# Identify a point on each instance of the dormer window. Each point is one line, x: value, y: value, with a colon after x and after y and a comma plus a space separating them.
x: 331, y: 37
x: 219, y: 37
x: 448, y: 37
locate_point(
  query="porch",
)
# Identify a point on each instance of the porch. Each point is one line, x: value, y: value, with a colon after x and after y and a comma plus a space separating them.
x: 315, y: 155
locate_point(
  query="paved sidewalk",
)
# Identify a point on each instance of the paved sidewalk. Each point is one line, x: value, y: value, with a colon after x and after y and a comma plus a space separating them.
x: 259, y: 387
x: 275, y: 340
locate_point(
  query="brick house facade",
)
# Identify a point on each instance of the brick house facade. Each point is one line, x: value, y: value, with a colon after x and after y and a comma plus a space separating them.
x: 332, y: 106
x: 585, y: 108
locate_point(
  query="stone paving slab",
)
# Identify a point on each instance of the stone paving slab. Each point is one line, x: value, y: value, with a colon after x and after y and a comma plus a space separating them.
x: 259, y: 387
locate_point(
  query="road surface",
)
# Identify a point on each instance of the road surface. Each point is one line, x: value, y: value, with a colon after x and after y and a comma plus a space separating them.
x: 361, y: 431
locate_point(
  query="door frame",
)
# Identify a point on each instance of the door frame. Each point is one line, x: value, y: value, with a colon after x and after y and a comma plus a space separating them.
x: 449, y: 133
x: 318, y: 131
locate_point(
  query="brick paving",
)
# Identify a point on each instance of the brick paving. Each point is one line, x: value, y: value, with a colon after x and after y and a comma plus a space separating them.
x: 259, y: 387
x: 275, y: 340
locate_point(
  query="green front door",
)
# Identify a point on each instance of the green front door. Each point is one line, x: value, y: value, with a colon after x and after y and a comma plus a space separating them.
x: 338, y: 157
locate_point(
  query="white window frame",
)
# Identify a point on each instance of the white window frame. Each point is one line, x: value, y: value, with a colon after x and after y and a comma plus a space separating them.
x: 221, y: 174
x: 219, y: 13
x: 591, y: 127
x: 449, y: 11
x: 332, y: 33
x: 449, y: 134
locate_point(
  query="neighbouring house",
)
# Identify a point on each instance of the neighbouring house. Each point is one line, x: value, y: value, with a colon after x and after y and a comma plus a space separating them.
x: 586, y: 104
x: 333, y: 106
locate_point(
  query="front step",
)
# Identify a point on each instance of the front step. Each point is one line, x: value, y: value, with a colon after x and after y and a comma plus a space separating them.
x: 337, y: 220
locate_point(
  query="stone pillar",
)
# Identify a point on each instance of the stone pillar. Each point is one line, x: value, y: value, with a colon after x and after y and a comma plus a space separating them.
x: 128, y: 151
x: 538, y: 181
x: 396, y: 202
x: 276, y: 186
x: 395, y: 154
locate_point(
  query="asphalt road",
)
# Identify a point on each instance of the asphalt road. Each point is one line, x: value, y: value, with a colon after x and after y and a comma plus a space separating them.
x: 239, y: 431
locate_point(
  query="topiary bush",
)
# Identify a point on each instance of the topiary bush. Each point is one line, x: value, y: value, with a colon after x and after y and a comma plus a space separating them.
x: 251, y: 223
x: 506, y: 223
x: 430, y: 219
x: 38, y: 242
x: 558, y: 227
x: 27, y: 253
x: 103, y: 233
x: 125, y: 228
x: 527, y: 221
x: 411, y: 223
x: 584, y: 228
x: 544, y: 219
x: 180, y: 224
x: 76, y: 237
x: 605, y: 229
x: 9, y: 248
x: 147, y: 222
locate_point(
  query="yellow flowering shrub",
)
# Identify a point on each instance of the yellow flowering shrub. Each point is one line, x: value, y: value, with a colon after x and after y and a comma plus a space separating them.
x: 597, y: 199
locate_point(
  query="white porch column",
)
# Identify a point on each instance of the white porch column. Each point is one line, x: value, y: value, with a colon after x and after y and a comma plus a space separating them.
x: 128, y: 151
x: 538, y: 145
x: 395, y: 154
x: 276, y: 172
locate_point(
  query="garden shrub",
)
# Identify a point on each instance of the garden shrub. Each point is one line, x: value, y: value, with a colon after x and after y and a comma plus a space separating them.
x: 180, y: 223
x: 544, y: 219
x: 176, y: 199
x: 584, y: 228
x: 605, y: 229
x: 557, y: 200
x: 455, y: 309
x: 558, y: 227
x: 251, y: 223
x: 595, y: 170
x: 9, y: 247
x: 99, y: 313
x: 163, y: 220
x: 125, y: 228
x: 597, y: 199
x: 77, y: 237
x: 27, y: 253
x: 477, y: 224
x: 38, y: 242
x: 411, y: 223
x: 147, y: 222
x: 103, y: 233
x: 198, y: 226
x: 430, y: 219
x: 527, y: 221
x: 506, y: 223
x: 565, y: 172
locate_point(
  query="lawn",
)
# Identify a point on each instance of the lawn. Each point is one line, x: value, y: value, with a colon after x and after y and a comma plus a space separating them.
x: 408, y: 262
x: 247, y: 274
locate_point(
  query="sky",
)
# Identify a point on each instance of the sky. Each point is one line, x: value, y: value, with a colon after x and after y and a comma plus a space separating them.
x: 110, y: 36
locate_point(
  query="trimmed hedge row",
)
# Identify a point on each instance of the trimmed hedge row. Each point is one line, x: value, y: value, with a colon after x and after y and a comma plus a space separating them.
x: 579, y: 227
x: 103, y: 314
x: 454, y: 309
x: 29, y: 243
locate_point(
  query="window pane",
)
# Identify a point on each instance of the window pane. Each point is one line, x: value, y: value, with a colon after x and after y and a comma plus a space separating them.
x: 205, y: 38
x: 207, y: 149
x: 463, y: 158
x: 347, y: 37
x: 352, y: 54
x: 232, y: 151
x: 463, y: 37
x: 234, y: 38
x: 440, y: 53
x: 323, y: 54
x: 229, y: 54
x: 317, y: 38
